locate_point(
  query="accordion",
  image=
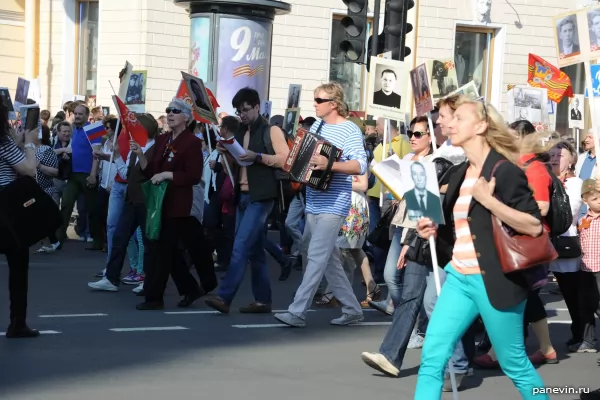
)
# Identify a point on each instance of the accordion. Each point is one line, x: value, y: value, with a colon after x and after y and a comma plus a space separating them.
x: 306, y: 145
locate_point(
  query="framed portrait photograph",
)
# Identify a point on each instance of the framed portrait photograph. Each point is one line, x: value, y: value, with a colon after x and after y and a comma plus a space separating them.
x: 529, y: 104
x: 291, y: 119
x: 387, y: 80
x: 421, y: 191
x: 135, y: 97
x: 294, y: 93
x: 577, y: 112
x: 106, y: 111
x: 567, y: 36
x: 419, y: 81
x: 443, y: 79
x: 265, y: 109
x: 200, y: 100
x: 469, y: 90
x: 592, y: 20
x: 21, y: 93
x: 7, y: 101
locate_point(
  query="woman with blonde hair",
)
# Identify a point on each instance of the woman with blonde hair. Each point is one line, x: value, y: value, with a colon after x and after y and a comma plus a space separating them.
x: 488, y: 185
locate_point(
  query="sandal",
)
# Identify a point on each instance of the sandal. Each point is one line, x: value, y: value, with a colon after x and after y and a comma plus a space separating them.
x: 328, y: 300
x: 375, y: 295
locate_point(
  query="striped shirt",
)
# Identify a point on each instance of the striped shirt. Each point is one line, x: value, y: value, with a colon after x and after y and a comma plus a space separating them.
x: 337, y: 200
x: 464, y: 257
x: 10, y: 155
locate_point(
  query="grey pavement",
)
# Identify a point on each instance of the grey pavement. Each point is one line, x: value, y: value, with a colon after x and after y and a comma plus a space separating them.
x: 99, y: 347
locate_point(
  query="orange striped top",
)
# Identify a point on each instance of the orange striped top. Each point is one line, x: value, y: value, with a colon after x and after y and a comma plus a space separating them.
x: 464, y: 257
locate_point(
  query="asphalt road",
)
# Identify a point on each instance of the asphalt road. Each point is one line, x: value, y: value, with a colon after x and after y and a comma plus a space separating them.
x: 97, y: 346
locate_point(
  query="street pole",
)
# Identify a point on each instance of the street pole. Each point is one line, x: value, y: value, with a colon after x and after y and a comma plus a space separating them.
x: 375, y: 36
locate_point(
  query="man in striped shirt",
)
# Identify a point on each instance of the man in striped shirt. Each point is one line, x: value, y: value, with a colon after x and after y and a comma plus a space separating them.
x: 326, y: 211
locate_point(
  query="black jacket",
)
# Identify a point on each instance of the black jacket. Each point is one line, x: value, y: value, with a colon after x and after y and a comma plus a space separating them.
x: 512, y: 189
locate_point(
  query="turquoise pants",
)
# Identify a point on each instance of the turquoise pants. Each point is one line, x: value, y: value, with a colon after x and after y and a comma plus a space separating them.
x: 463, y: 297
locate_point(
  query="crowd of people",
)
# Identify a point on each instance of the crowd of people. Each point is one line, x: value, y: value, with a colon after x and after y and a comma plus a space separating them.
x: 509, y: 172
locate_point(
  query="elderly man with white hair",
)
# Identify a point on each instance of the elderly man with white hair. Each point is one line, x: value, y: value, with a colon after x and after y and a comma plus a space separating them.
x: 586, y: 163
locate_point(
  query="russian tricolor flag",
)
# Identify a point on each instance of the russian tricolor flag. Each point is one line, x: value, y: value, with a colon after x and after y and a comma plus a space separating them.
x: 95, y: 132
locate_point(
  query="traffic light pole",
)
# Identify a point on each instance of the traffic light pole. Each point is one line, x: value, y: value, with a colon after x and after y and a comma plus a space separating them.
x: 403, y: 36
x: 375, y: 35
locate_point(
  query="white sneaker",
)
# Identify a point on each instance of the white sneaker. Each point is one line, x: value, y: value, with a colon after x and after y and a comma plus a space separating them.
x: 138, y: 288
x: 380, y: 363
x: 347, y: 319
x: 103, y: 284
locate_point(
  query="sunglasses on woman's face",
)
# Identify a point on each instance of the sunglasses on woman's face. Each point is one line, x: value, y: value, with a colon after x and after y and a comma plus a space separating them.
x: 319, y: 100
x: 417, y: 134
x: 173, y: 110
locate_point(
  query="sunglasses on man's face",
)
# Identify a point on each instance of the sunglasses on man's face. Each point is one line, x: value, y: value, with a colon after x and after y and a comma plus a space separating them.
x: 417, y: 134
x: 319, y: 100
x: 173, y: 110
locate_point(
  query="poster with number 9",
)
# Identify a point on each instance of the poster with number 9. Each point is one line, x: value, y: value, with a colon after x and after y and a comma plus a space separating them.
x: 244, y: 59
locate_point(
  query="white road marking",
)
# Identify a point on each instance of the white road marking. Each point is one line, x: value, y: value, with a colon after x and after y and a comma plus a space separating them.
x: 555, y: 321
x: 260, y: 326
x: 191, y: 312
x: 72, y: 315
x: 41, y: 332
x: 150, y: 328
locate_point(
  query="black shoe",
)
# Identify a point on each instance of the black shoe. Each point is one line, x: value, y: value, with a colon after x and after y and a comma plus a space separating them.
x: 485, y: 345
x: 594, y: 395
x: 188, y: 300
x: 286, y: 270
x: 14, y: 332
x: 150, y: 305
x: 141, y: 293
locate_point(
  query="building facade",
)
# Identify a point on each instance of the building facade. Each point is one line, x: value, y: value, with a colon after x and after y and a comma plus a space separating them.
x: 78, y: 47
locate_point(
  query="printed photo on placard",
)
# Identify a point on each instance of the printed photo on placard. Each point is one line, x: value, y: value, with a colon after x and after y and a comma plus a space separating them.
x: 290, y: 121
x: 200, y: 98
x: 421, y: 90
x: 135, y: 98
x: 529, y: 104
x: 443, y: 79
x: 568, y: 46
x: 387, y: 79
x: 21, y: 93
x: 577, y: 112
x: 91, y: 101
x: 469, y: 90
x: 265, y: 109
x: 124, y: 76
x: 6, y: 100
x: 294, y: 93
x: 106, y: 111
x: 421, y: 191
x: 592, y: 19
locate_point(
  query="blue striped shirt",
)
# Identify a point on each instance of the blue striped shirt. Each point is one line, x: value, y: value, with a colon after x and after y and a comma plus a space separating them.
x: 337, y: 200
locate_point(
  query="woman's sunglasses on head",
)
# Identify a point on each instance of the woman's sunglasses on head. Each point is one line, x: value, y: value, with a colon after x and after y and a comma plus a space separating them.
x: 173, y: 110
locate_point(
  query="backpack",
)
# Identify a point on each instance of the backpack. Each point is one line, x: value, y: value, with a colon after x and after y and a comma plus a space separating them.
x: 559, y: 215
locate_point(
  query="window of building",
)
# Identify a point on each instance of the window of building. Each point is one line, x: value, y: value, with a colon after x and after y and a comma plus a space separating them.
x: 473, y: 56
x: 352, y: 76
x: 87, y: 48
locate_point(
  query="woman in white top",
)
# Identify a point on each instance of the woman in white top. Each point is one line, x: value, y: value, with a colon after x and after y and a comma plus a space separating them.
x: 563, y: 158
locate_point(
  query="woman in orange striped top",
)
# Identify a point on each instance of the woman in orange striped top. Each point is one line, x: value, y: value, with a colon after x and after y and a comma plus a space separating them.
x: 475, y: 284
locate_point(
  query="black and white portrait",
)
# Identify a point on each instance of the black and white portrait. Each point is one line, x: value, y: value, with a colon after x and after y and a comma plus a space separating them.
x: 469, y: 90
x: 5, y: 98
x: 200, y: 99
x: 388, y: 83
x: 421, y: 191
x: 105, y: 111
x: 443, y: 79
x: 567, y: 35
x: 265, y: 109
x: 290, y: 121
x: 527, y: 103
x: 593, y: 18
x: 294, y: 92
x: 577, y: 112
x: 421, y: 90
x: 21, y: 93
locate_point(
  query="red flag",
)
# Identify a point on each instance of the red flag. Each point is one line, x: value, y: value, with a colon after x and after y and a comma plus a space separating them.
x: 133, y: 129
x: 123, y: 142
x: 184, y: 94
x: 542, y: 74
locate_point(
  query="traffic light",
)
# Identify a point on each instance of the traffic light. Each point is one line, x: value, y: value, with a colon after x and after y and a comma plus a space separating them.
x: 396, y: 27
x: 355, y: 25
x: 380, y: 48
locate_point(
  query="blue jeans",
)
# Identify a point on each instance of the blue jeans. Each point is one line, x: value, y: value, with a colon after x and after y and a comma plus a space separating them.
x: 459, y: 359
x: 135, y: 251
x: 378, y: 255
x: 115, y: 207
x: 405, y: 315
x: 249, y: 245
x: 293, y: 222
x: 275, y: 252
x: 463, y: 298
x: 391, y: 273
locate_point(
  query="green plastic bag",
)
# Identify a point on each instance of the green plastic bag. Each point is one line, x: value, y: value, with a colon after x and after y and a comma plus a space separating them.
x: 154, y: 195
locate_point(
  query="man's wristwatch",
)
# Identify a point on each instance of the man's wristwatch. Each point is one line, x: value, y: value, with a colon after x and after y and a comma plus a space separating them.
x: 259, y: 157
x: 29, y: 146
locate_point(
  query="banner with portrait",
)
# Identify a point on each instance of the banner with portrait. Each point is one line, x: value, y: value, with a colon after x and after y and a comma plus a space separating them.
x: 577, y: 35
x: 200, y: 99
x: 421, y: 90
x: 135, y: 96
x: 577, y: 112
x: 387, y: 79
x: 244, y: 58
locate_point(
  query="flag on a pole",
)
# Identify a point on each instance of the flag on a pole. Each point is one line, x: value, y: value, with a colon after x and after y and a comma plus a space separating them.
x: 542, y: 74
x: 94, y: 132
x: 133, y: 129
x: 184, y: 94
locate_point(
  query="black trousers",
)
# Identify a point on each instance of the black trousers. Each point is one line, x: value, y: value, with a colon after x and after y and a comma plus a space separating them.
x: 568, y: 283
x: 589, y: 303
x: 18, y: 282
x: 190, y: 233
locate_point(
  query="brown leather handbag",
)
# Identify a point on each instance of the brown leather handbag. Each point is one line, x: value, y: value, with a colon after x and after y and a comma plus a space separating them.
x: 520, y: 252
